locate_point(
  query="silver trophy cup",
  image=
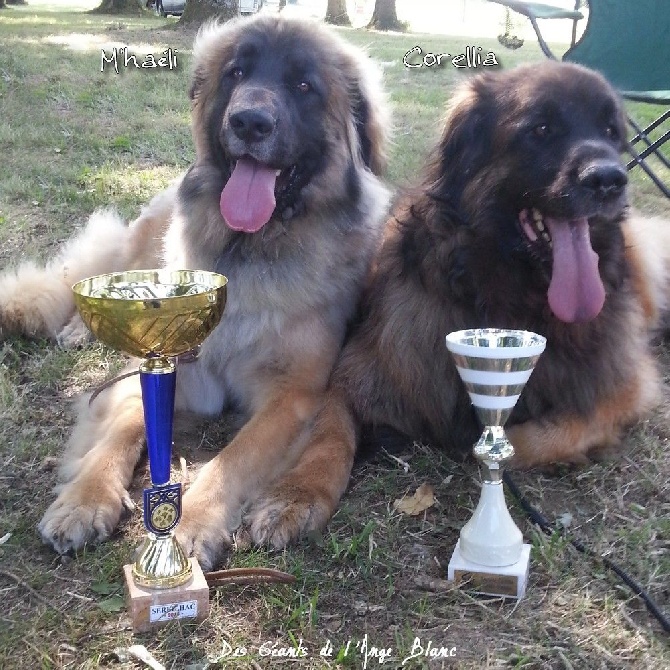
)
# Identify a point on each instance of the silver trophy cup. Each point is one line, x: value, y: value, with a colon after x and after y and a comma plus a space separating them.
x: 494, y: 365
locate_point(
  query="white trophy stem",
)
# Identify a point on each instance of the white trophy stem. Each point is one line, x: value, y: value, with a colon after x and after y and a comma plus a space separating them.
x: 491, y: 537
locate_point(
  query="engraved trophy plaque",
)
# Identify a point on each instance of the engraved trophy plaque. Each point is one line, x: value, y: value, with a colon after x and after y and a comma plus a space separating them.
x: 157, y: 315
x: 494, y: 366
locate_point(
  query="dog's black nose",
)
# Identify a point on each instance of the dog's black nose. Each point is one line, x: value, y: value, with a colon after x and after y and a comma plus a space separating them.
x: 603, y: 178
x: 252, y: 125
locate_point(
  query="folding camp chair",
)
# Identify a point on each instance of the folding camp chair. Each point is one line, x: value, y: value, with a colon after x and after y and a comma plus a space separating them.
x: 628, y: 41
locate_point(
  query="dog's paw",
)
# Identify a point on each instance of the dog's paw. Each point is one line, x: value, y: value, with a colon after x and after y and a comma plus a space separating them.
x: 74, y: 334
x: 206, y: 529
x: 203, y: 533
x: 286, y: 515
x: 83, y: 513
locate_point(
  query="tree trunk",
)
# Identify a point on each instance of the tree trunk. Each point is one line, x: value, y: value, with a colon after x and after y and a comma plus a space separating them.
x: 198, y: 11
x: 384, y: 17
x: 336, y: 12
x: 119, y: 7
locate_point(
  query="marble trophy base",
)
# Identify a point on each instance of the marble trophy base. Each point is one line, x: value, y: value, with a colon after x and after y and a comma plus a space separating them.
x: 151, y: 608
x: 508, y: 580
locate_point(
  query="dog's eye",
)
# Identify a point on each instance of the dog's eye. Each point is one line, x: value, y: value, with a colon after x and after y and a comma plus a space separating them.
x: 237, y: 73
x: 612, y: 132
x: 542, y: 130
x: 304, y: 87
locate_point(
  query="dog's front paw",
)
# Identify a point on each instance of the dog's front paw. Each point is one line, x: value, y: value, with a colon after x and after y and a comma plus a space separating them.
x: 285, y: 515
x: 83, y: 513
x: 206, y: 528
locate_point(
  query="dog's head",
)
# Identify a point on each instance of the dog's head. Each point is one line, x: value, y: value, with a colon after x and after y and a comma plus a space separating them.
x: 280, y: 107
x: 532, y: 157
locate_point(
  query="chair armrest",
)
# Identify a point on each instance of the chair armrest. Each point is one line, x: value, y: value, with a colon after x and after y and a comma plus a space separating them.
x: 537, y: 10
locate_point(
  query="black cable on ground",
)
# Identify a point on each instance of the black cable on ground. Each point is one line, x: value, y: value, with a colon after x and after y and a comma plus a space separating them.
x: 537, y: 518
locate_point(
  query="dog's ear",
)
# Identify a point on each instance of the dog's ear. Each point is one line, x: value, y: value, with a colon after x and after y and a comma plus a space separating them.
x: 197, y: 80
x: 212, y: 46
x: 371, y: 117
x: 621, y: 121
x: 465, y: 144
x: 372, y: 132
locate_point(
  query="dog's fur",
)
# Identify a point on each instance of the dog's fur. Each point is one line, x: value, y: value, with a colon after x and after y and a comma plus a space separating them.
x: 301, y: 103
x: 461, y: 253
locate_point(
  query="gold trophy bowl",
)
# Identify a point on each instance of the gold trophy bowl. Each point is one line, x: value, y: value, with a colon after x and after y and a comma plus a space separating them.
x: 157, y: 315
x: 152, y: 312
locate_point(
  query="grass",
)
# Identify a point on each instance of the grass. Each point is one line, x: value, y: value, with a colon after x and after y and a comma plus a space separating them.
x: 74, y: 139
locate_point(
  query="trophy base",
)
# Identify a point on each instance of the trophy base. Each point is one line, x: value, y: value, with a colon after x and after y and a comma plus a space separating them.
x: 150, y: 608
x: 509, y: 581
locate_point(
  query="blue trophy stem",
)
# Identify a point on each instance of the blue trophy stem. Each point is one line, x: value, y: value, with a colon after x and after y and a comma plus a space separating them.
x: 158, y: 379
x: 161, y: 563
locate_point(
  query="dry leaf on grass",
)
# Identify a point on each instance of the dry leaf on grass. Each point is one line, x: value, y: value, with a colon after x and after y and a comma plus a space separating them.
x: 414, y: 505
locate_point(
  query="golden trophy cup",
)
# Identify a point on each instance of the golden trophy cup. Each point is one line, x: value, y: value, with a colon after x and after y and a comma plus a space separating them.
x: 494, y: 365
x: 157, y: 315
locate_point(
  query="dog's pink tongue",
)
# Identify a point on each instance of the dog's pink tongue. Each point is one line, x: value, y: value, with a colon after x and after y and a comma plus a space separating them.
x: 576, y: 293
x: 248, y: 198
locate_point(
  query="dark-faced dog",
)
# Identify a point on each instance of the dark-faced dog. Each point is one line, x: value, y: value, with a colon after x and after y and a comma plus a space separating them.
x: 521, y: 222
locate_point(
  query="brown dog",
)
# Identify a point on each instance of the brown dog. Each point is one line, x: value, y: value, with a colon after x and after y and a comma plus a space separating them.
x: 520, y: 222
x: 283, y: 199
